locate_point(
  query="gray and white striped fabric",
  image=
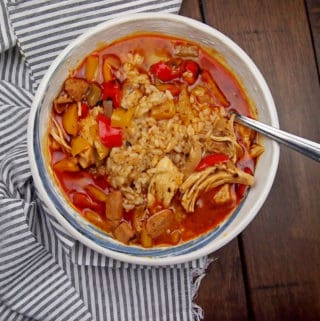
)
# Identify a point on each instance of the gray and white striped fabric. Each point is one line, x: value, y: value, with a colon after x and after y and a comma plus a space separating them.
x: 44, y: 273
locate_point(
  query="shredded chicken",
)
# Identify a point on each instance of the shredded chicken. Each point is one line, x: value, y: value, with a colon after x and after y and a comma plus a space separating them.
x: 86, y: 157
x: 224, y: 195
x: 186, y: 50
x: 209, y: 178
x: 184, y: 107
x: 225, y: 145
x: 193, y: 159
x: 57, y: 133
x: 89, y: 131
x: 256, y: 150
x: 164, y: 183
x: 223, y: 139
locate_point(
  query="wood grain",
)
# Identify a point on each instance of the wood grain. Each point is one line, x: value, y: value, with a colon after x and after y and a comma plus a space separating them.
x: 281, y: 248
x: 222, y: 293
x: 191, y: 9
x: 313, y: 7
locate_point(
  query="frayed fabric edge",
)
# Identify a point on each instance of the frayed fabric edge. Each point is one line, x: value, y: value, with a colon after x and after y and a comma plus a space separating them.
x: 197, y: 274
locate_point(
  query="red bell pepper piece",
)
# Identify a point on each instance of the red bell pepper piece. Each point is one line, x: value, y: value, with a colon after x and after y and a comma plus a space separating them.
x: 84, y: 110
x: 211, y: 160
x: 248, y: 170
x: 112, y: 90
x: 83, y: 201
x: 109, y: 136
x: 101, y: 181
x: 168, y: 70
x: 193, y: 72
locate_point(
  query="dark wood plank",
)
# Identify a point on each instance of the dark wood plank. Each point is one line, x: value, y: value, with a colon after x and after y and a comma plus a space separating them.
x: 222, y: 293
x: 282, y: 246
x: 191, y: 9
x: 313, y: 7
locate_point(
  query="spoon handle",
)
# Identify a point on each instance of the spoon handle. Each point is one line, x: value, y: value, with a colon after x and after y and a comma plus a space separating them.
x: 302, y: 145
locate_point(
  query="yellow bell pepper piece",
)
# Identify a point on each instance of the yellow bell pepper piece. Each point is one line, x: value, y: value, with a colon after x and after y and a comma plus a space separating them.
x: 102, y: 150
x: 121, y: 117
x: 67, y: 165
x: 145, y: 239
x: 113, y: 61
x: 78, y: 144
x: 164, y: 111
x: 70, y: 120
x: 184, y: 107
x: 92, y: 64
x: 96, y: 193
x: 107, y: 71
x: 94, y: 218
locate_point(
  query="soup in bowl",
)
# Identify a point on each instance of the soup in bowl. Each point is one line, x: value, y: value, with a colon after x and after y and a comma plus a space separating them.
x: 134, y: 144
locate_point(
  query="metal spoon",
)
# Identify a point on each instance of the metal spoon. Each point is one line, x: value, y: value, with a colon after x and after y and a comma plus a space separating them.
x: 302, y: 145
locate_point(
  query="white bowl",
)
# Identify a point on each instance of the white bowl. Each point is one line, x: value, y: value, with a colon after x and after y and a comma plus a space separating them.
x: 49, y: 87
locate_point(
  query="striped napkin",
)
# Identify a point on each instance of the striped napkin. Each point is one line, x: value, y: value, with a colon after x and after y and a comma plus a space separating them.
x: 44, y: 273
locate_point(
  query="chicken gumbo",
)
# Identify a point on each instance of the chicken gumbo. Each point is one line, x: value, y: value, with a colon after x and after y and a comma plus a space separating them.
x: 142, y: 143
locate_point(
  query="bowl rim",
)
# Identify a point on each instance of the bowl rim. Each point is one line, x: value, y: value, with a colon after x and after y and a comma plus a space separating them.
x: 171, y: 259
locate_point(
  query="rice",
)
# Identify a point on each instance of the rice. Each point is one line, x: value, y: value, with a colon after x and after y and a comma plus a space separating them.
x: 147, y: 140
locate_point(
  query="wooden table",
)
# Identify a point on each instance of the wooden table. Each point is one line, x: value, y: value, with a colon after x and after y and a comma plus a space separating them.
x: 272, y: 270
